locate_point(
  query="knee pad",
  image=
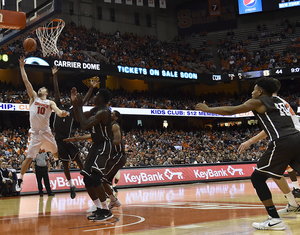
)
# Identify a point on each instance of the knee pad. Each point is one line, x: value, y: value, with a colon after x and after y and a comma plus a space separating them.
x: 260, y: 185
x: 97, y: 179
x: 87, y: 181
x: 257, y: 178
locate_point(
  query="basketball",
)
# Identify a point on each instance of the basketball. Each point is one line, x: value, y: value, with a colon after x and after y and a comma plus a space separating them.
x: 29, y: 44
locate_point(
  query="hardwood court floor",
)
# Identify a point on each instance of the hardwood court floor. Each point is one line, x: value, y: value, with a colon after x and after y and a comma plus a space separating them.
x: 208, y: 208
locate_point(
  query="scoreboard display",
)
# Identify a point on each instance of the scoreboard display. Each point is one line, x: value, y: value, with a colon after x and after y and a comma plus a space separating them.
x: 252, y: 6
x: 277, y: 72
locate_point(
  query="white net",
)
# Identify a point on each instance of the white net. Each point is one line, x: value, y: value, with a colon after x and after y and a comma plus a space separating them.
x: 48, y: 35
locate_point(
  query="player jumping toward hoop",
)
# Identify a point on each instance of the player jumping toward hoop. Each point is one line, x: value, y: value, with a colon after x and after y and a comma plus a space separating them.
x: 39, y: 134
x: 62, y: 128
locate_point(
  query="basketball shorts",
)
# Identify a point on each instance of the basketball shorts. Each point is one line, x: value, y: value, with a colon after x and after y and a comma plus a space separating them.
x: 66, y: 151
x: 114, y: 164
x: 280, y: 153
x: 97, y: 158
x: 40, y: 140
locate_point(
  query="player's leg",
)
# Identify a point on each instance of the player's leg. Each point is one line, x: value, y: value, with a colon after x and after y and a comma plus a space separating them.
x: 284, y: 187
x: 113, y: 171
x: 293, y: 177
x: 117, y: 178
x: 104, y: 213
x: 33, y: 146
x: 274, y: 221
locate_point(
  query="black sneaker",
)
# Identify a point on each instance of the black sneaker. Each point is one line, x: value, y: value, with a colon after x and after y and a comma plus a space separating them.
x: 73, y: 193
x: 94, y: 214
x: 104, y: 215
x: 296, y: 192
x: 18, y: 185
x: 51, y: 194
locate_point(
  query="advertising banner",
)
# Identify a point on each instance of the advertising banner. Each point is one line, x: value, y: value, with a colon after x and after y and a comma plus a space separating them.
x: 134, y: 177
x: 138, y: 111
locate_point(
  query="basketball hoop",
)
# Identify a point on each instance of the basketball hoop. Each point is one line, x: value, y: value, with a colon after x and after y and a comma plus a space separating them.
x: 48, y: 35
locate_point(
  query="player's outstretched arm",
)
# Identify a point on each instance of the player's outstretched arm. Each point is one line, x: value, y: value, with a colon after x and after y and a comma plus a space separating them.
x: 94, y: 83
x: 58, y: 111
x: 117, y: 134
x: 31, y: 93
x: 252, y: 104
x: 78, y: 138
x: 55, y: 84
x: 261, y: 135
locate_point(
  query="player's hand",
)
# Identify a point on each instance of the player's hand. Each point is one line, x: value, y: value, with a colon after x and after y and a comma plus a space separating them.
x: 95, y: 81
x: 243, y: 147
x: 73, y: 95
x: 54, y: 70
x: 202, y: 107
x: 4, y: 181
x: 64, y: 113
x: 79, y: 100
x: 71, y: 139
x: 22, y: 61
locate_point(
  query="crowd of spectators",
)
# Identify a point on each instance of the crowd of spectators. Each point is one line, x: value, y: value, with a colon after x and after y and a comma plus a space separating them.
x: 153, y: 147
x: 126, y: 49
x: 235, y: 56
x: 129, y: 49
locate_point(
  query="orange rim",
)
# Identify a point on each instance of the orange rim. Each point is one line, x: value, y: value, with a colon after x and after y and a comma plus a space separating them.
x: 54, y: 27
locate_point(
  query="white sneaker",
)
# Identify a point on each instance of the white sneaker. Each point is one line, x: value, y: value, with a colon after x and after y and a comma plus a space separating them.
x: 270, y: 224
x: 113, y: 204
x: 288, y: 209
x: 18, y: 185
x: 92, y: 209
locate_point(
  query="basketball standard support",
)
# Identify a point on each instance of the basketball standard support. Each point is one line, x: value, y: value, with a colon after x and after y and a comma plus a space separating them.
x: 55, y: 10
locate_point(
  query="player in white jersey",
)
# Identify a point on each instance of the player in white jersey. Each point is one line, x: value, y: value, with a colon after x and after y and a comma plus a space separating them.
x: 39, y: 135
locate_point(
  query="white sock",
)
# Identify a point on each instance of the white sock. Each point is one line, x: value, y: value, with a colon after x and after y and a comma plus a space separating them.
x: 292, y: 200
x: 98, y: 203
x: 295, y: 184
x: 114, y: 185
x: 21, y: 177
x: 112, y: 198
x: 71, y: 183
x: 104, y: 205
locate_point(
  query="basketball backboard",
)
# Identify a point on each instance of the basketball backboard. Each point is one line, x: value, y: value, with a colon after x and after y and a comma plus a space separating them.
x: 38, y: 12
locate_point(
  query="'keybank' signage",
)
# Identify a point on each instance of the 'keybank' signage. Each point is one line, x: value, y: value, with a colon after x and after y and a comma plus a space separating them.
x: 133, y: 177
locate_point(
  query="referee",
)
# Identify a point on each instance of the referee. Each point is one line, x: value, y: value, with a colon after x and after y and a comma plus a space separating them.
x: 41, y: 166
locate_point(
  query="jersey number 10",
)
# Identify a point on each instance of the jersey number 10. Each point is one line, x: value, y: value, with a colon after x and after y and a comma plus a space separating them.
x: 41, y: 110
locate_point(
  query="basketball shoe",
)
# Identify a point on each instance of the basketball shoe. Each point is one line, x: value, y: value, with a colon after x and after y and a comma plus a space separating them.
x: 296, y: 192
x: 103, y: 215
x: 18, y: 185
x: 270, y: 224
x: 73, y: 193
x: 92, y: 209
x: 287, y: 210
x: 113, y: 204
x: 94, y: 214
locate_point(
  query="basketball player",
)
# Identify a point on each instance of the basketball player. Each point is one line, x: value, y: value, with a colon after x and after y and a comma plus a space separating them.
x: 39, y: 135
x: 99, y: 119
x: 115, y: 163
x: 62, y: 128
x: 281, y: 183
x: 278, y: 122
